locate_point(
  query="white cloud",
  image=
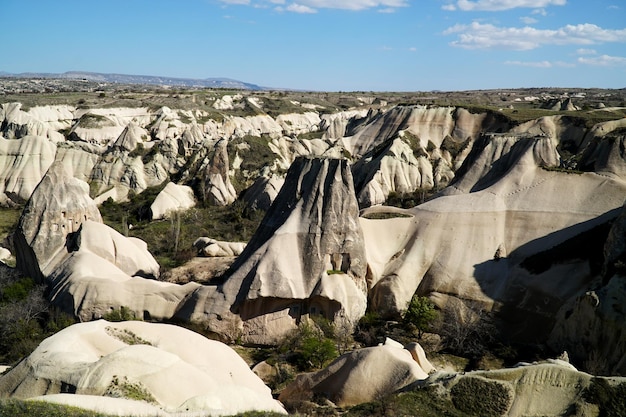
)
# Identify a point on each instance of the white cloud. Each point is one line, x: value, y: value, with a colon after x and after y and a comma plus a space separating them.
x: 498, y: 5
x: 603, y: 61
x: 413, y: 49
x: 313, y: 5
x: 584, y: 51
x: 539, y: 64
x: 487, y: 36
x: 542, y: 12
x: 387, y: 10
x: 300, y: 8
x: 528, y: 20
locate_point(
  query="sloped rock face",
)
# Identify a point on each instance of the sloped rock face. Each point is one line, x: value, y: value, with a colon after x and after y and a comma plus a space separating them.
x: 552, y: 388
x: 590, y: 324
x: 391, y: 168
x: 57, y: 208
x: 492, y: 235
x: 23, y: 163
x: 307, y: 257
x: 263, y: 192
x: 217, y: 187
x: 90, y: 286
x: 360, y: 376
x: 177, y: 370
x: 128, y: 254
x: 172, y: 198
x: 427, y: 124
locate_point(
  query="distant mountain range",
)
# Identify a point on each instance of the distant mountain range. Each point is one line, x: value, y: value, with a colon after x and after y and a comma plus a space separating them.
x: 141, y: 79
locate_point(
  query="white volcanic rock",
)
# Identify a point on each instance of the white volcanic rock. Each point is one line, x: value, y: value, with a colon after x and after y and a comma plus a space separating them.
x: 272, y: 284
x: 251, y: 125
x: 217, y: 187
x: 128, y: 254
x: 178, y: 370
x: 503, y: 201
x: 335, y: 125
x: 104, y: 125
x: 299, y: 123
x: 173, y: 197
x: 426, y: 123
x: 263, y: 192
x: 89, y: 286
x: 4, y: 254
x: 360, y: 376
x: 78, y: 158
x: 131, y: 136
x: 551, y: 388
x: 167, y: 124
x: 217, y: 248
x: 57, y: 207
x: 17, y: 123
x: 228, y: 102
x: 392, y: 168
x: 23, y: 163
x: 288, y: 149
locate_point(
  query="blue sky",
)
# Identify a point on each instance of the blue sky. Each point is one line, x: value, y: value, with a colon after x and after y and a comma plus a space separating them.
x: 327, y: 45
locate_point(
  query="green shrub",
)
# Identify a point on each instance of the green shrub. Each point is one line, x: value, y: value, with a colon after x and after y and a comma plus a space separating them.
x: 308, y: 347
x: 420, y: 313
x: 123, y: 314
x: 482, y: 397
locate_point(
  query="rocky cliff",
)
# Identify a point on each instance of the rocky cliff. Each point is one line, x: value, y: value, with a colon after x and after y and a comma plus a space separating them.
x: 306, y: 258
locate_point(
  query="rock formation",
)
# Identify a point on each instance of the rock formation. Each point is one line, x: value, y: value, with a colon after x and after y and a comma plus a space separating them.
x: 307, y: 257
x: 453, y: 245
x: 360, y: 376
x: 145, y: 367
x: 173, y: 197
x: 217, y: 187
x: 551, y: 388
x: 393, y: 167
x: 56, y: 209
x: 214, y: 248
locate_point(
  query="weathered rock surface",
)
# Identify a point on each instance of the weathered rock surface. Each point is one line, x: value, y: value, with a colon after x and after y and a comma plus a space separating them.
x: 217, y: 187
x: 174, y: 369
x: 23, y: 163
x: 263, y: 192
x: 360, y: 376
x: 552, y: 388
x: 173, y: 197
x: 129, y: 254
x: 391, y: 168
x: 474, y: 242
x: 307, y: 257
x: 215, y: 248
x: 57, y: 208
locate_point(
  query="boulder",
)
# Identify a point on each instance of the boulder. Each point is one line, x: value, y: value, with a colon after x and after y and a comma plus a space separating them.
x: 307, y: 257
x: 360, y: 376
x: 146, y: 367
x: 56, y: 209
x: 129, y: 254
x: 214, y: 248
x: 89, y: 287
x: 173, y: 197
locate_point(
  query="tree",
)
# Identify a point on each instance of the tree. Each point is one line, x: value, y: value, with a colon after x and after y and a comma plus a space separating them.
x: 421, y: 313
